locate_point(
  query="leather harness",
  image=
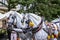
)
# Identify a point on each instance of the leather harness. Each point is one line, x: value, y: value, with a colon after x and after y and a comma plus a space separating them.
x: 39, y: 27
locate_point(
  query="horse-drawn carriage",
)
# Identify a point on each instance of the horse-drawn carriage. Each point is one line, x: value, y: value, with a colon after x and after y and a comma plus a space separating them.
x: 26, y: 24
x: 28, y: 20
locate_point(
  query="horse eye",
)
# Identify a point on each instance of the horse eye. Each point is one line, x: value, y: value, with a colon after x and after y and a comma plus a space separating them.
x: 12, y: 17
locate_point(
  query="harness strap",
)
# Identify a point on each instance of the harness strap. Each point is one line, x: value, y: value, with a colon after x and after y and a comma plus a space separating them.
x: 39, y: 26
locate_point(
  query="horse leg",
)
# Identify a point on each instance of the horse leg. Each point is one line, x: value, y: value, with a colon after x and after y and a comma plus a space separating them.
x: 22, y: 36
x: 33, y: 38
x: 29, y: 35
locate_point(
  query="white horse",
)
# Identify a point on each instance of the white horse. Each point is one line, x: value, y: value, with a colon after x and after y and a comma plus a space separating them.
x: 40, y: 35
x: 17, y: 20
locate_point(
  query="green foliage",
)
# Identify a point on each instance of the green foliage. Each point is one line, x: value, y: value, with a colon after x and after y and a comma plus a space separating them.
x: 48, y: 8
x: 2, y: 31
x: 26, y: 2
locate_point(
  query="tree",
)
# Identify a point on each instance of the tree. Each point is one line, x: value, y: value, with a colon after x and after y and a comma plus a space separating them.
x: 12, y: 3
x: 48, y: 8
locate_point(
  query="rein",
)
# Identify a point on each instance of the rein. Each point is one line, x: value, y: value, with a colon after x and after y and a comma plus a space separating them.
x: 10, y: 27
x: 38, y: 27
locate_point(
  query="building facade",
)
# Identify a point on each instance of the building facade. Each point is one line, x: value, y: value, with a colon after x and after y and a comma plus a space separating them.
x: 2, y: 7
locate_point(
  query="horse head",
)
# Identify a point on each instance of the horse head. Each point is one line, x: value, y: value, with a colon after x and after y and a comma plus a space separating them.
x: 11, y: 21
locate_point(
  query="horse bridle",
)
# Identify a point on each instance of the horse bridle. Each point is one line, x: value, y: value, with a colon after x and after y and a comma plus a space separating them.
x: 11, y: 23
x: 37, y: 29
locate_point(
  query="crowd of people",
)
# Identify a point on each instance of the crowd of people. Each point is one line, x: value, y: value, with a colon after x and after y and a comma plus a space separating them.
x: 53, y: 29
